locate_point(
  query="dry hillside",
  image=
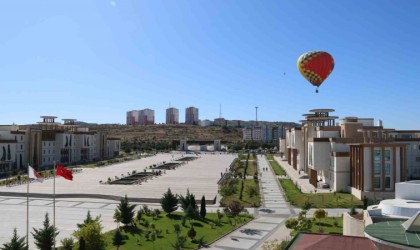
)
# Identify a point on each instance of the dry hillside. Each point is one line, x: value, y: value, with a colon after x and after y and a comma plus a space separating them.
x: 170, y: 132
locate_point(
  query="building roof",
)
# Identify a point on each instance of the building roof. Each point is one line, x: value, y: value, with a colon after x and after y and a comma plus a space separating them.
x: 413, y: 224
x: 393, y: 233
x: 321, y: 110
x: 329, y: 241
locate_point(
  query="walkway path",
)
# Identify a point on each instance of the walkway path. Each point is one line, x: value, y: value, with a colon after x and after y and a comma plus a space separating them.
x: 301, y: 179
x: 270, y: 217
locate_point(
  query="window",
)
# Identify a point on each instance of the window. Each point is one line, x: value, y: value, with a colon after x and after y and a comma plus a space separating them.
x: 387, y: 155
x: 21, y: 146
x: 417, y: 159
x: 388, y: 182
x: 377, y: 155
x: 377, y: 168
x: 387, y: 168
x: 377, y: 182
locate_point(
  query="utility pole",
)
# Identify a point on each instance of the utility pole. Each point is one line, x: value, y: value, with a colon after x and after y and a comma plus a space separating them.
x: 256, y: 116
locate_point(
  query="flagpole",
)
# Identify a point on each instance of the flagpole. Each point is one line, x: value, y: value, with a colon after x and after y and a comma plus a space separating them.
x: 27, y: 211
x: 54, y: 203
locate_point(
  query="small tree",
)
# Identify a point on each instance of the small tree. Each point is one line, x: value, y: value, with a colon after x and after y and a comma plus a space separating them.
x: 117, y: 239
x: 233, y: 209
x: 177, y: 229
x: 192, y: 233
x: 153, y: 239
x: 188, y: 200
x: 92, y: 236
x: 320, y: 214
x: 16, y: 243
x: 203, y: 208
x: 190, y: 213
x: 180, y: 243
x: 89, y: 219
x: 169, y: 202
x: 44, y: 237
x: 67, y: 243
x: 201, y: 242
x: 126, y: 211
x: 291, y: 223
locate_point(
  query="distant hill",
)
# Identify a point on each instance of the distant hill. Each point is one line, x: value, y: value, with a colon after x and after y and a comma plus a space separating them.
x: 167, y: 132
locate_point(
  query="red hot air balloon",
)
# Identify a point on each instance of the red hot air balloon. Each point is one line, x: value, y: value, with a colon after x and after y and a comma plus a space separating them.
x: 315, y: 66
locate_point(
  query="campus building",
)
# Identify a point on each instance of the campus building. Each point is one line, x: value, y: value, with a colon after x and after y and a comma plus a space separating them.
x: 191, y: 116
x: 353, y: 156
x: 172, y: 116
x: 262, y: 133
x: 47, y: 142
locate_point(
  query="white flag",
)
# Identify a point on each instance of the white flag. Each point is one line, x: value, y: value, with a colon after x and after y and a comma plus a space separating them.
x: 32, y: 174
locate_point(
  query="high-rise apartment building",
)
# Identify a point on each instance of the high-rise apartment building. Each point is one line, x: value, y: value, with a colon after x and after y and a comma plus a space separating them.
x: 132, y: 117
x: 172, y: 116
x: 191, y: 116
x: 147, y: 117
x: 141, y: 117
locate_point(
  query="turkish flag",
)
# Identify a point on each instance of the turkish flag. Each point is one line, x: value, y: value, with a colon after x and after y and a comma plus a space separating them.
x: 62, y: 171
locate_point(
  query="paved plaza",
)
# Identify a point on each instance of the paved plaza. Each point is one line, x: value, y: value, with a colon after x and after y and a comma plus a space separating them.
x: 200, y: 176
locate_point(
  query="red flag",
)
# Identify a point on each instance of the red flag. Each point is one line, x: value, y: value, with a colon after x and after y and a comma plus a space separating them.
x: 32, y: 174
x: 62, y: 171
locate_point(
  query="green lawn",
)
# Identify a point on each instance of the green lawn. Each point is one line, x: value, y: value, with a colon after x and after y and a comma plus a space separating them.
x: 275, y: 165
x: 247, y: 200
x: 252, y: 168
x: 320, y: 200
x: 207, y: 228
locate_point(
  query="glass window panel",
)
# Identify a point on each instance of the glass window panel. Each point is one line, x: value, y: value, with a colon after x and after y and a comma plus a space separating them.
x: 387, y: 168
x: 378, y: 168
x: 377, y: 155
x: 388, y: 182
x: 387, y: 155
x: 377, y: 182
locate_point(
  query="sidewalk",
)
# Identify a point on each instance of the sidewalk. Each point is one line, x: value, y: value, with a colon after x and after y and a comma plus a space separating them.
x: 300, y: 179
x: 270, y: 216
x: 268, y: 224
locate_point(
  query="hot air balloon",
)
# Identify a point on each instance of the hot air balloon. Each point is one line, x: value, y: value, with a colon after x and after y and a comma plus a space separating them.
x: 315, y: 66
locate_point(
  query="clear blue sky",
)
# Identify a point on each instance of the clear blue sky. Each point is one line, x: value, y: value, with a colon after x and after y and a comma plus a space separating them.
x: 95, y: 60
